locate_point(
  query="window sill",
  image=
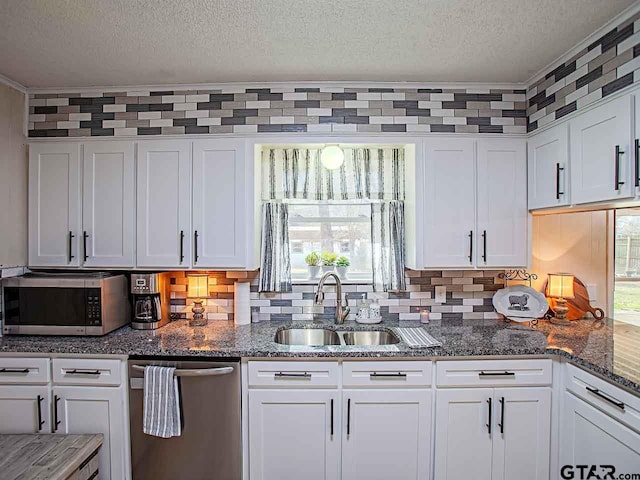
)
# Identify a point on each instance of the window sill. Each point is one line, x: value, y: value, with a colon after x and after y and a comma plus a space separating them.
x: 331, y: 281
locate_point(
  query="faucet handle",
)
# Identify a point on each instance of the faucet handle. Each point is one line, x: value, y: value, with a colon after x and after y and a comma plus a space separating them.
x: 345, y: 312
x: 319, y: 298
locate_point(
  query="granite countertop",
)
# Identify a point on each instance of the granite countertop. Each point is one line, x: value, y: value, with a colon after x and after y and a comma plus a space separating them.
x: 607, y: 347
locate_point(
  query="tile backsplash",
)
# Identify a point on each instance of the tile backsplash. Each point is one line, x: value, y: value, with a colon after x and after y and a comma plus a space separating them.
x: 468, y: 299
x: 605, y: 66
x: 233, y: 109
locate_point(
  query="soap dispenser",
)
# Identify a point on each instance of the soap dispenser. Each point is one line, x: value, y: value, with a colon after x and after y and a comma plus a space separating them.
x: 363, y: 309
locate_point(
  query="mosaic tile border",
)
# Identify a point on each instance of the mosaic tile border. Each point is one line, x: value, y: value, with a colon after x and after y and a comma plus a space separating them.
x: 277, y: 110
x: 600, y: 69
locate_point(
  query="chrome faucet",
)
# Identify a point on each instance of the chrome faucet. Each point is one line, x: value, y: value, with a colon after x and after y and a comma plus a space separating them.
x: 341, y: 314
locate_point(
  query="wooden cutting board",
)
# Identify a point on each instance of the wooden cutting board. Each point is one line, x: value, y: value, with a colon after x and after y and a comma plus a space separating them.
x: 580, y: 304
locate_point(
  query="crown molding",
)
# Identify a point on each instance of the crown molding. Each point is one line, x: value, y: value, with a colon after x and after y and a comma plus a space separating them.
x: 241, y: 86
x: 615, y: 21
x: 13, y: 84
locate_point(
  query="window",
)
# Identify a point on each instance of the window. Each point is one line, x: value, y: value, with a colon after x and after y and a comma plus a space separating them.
x: 343, y: 228
x: 626, y: 296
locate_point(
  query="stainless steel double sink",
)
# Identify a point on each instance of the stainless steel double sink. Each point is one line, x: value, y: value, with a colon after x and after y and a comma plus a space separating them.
x: 316, y: 337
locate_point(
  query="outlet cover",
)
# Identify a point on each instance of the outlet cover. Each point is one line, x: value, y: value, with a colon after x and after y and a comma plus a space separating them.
x: 441, y: 294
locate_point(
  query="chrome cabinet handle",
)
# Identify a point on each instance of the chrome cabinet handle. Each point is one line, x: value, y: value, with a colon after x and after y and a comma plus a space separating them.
x: 85, y: 235
x: 375, y: 375
x: 56, y: 422
x: 194, y: 372
x: 82, y: 372
x: 297, y: 376
x: 40, y: 421
x: 501, y: 423
x: 617, y: 168
x: 470, y: 246
x: 607, y: 398
x: 14, y: 370
x: 70, y: 247
x: 558, y: 170
x: 496, y: 374
x: 349, y: 416
x: 484, y: 245
x: 490, y: 412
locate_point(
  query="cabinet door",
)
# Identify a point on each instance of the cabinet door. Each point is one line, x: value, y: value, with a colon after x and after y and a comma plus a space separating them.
x: 164, y: 204
x: 502, y: 203
x: 548, y: 166
x: 522, y: 433
x: 597, y: 172
x: 591, y: 437
x: 95, y: 410
x: 386, y: 434
x: 635, y: 158
x: 220, y: 217
x: 294, y: 434
x: 463, y: 441
x: 108, y: 206
x: 449, y: 209
x: 25, y: 409
x: 54, y: 205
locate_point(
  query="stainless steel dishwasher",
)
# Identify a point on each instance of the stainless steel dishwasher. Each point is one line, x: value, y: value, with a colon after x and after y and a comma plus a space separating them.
x: 210, y: 446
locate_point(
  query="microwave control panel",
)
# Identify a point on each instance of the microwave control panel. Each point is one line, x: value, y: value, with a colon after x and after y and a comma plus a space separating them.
x: 94, y: 307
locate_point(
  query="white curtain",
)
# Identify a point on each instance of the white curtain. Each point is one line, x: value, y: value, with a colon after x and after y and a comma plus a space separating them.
x: 388, y: 238
x: 275, y: 271
x: 366, y: 174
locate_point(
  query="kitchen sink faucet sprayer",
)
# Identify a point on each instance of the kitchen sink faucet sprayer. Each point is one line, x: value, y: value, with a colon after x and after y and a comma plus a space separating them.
x: 341, y: 314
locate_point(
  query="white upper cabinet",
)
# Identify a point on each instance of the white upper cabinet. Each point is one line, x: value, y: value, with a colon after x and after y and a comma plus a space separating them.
x: 502, y: 203
x: 220, y: 186
x: 548, y: 168
x: 164, y: 204
x: 54, y: 205
x: 108, y: 221
x: 449, y: 207
x: 601, y: 153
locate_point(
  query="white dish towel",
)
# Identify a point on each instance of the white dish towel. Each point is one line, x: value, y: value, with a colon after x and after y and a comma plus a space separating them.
x: 161, y: 402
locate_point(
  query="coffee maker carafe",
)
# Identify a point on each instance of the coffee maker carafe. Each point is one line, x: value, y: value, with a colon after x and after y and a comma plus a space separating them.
x: 150, y: 300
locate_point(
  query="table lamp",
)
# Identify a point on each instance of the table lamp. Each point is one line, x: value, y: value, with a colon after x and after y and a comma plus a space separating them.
x: 560, y: 286
x: 198, y: 288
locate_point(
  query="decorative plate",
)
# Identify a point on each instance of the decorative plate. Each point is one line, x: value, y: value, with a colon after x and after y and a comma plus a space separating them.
x: 520, y: 302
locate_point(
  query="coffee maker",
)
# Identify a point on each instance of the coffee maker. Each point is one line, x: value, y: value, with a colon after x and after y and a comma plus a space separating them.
x: 150, y: 300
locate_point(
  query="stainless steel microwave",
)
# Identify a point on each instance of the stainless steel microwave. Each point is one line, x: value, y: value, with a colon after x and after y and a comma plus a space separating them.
x: 65, y: 304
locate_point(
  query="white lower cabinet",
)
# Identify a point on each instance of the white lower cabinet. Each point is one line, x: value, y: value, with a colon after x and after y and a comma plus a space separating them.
x: 294, y: 434
x: 95, y: 410
x: 493, y: 434
x: 591, y: 437
x: 386, y: 434
x: 25, y: 409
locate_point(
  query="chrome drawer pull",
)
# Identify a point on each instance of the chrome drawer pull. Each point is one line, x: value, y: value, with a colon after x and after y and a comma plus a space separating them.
x: 82, y: 372
x: 496, y: 374
x: 607, y: 398
x: 14, y: 370
x: 398, y: 375
x: 297, y: 376
x: 194, y: 372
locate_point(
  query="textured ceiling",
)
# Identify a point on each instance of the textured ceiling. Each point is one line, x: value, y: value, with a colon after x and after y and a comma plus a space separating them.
x: 66, y: 43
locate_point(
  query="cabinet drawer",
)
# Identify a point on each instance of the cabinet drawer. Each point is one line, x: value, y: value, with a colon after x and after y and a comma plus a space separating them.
x: 24, y: 370
x: 386, y: 374
x: 87, y: 371
x: 294, y: 374
x: 621, y: 405
x: 488, y: 373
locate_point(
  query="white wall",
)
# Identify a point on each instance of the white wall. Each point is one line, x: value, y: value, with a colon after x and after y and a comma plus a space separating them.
x: 573, y: 243
x: 13, y: 179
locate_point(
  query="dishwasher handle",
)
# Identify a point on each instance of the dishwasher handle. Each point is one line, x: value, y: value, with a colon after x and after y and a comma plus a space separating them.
x: 194, y: 372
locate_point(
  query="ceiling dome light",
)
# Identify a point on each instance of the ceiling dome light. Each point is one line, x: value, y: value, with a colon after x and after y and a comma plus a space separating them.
x: 332, y: 157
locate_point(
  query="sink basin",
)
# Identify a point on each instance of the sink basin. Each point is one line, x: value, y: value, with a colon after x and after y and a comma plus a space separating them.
x: 307, y: 336
x: 370, y: 338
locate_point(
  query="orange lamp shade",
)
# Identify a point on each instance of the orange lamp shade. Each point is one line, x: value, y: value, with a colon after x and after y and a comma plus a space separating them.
x: 560, y: 285
x: 198, y: 286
